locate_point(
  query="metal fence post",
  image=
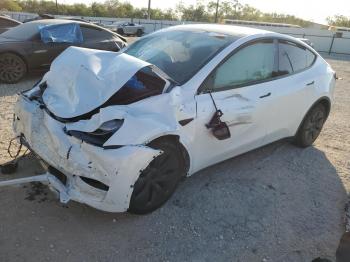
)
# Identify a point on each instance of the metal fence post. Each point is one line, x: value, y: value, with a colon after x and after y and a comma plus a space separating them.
x: 330, y: 48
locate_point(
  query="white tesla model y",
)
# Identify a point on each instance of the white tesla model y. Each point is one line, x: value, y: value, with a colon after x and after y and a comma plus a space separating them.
x: 117, y: 131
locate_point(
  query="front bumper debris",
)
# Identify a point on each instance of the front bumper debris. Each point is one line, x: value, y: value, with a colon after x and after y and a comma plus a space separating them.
x: 83, y: 166
x: 46, y: 178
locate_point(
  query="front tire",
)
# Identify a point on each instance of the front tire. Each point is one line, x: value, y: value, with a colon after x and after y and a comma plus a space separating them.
x: 12, y: 68
x: 311, y: 126
x: 159, y: 180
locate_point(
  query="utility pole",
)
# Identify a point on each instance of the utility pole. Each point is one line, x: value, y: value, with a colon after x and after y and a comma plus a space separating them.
x: 217, y: 10
x: 149, y: 10
x: 56, y: 8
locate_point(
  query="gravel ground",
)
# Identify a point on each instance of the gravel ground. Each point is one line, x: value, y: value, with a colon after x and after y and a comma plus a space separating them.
x: 276, y: 203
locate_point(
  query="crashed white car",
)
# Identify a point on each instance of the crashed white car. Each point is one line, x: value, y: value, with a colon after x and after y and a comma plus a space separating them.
x: 118, y: 131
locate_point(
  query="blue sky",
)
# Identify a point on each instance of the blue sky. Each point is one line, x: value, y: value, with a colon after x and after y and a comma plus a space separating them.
x: 314, y: 10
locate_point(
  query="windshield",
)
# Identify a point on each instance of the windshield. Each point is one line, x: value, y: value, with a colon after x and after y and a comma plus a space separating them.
x: 179, y: 53
x: 22, y: 32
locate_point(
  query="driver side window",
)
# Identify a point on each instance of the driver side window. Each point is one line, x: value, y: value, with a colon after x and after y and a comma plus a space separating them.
x: 251, y: 64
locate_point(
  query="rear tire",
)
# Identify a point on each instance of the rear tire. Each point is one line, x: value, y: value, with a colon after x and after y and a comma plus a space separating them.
x: 120, y: 31
x: 139, y: 33
x: 159, y: 180
x: 12, y: 68
x: 311, y: 126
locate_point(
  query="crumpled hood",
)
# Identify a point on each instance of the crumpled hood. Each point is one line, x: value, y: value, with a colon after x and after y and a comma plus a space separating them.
x: 80, y: 79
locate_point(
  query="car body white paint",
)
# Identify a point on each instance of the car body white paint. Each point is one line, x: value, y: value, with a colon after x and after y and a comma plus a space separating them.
x: 253, y: 122
x: 128, y: 28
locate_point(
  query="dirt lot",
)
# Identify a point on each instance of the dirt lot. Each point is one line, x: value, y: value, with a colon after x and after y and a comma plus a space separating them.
x: 277, y: 203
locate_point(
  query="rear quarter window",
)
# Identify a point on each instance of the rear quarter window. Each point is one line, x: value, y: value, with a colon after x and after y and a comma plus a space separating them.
x: 90, y: 33
x: 293, y: 58
x: 5, y: 23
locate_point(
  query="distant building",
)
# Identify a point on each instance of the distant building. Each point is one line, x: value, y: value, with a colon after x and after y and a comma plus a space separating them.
x: 339, y: 29
x: 256, y: 23
x: 312, y: 25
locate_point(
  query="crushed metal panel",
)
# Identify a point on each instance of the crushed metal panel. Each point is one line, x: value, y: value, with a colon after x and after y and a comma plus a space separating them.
x: 82, y: 79
x: 143, y: 120
x: 236, y: 109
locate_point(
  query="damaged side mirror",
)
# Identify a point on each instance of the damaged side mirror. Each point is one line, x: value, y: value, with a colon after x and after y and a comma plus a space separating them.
x: 219, y: 129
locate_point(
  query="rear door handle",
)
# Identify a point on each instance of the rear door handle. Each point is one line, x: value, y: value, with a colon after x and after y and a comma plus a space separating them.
x: 268, y: 94
x: 311, y: 83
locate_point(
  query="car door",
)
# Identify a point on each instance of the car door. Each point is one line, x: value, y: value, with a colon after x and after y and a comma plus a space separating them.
x: 293, y: 90
x: 241, y: 88
x: 43, y: 54
x: 97, y: 38
x: 127, y: 28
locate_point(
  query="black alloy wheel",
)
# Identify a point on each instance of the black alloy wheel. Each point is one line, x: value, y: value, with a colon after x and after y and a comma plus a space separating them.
x: 139, y: 32
x: 311, y: 126
x: 159, y: 180
x: 12, y: 68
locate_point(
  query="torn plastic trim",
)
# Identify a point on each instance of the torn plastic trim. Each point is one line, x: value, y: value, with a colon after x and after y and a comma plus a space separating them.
x: 100, y: 135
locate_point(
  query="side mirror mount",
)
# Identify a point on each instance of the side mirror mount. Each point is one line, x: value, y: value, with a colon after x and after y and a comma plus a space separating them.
x: 219, y: 129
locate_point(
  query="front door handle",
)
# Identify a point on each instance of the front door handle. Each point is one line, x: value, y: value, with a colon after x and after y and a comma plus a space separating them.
x: 268, y: 94
x: 311, y: 83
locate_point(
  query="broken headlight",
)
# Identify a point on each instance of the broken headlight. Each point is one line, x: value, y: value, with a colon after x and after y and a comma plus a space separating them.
x: 109, y: 127
x: 100, y: 135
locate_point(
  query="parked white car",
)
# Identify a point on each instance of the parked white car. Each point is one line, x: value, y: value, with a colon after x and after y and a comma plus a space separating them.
x: 126, y: 28
x: 118, y: 132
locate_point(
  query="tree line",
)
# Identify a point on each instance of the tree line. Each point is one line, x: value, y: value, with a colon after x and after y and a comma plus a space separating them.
x: 339, y: 20
x: 200, y: 12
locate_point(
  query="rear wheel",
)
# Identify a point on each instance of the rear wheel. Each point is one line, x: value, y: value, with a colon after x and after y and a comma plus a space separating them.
x: 12, y: 68
x: 120, y: 31
x: 311, y: 126
x: 159, y: 180
x: 139, y: 33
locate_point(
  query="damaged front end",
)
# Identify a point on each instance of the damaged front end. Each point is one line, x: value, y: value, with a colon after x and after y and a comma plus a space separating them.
x: 101, y: 178
x: 88, y: 122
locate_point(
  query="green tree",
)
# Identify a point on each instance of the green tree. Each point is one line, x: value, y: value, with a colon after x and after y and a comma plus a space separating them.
x: 98, y: 9
x: 10, y: 5
x: 339, y: 20
x: 200, y: 12
x: 196, y: 13
x: 227, y: 9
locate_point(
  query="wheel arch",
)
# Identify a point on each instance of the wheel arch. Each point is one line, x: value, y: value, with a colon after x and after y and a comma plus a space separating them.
x: 182, y: 148
x: 325, y: 101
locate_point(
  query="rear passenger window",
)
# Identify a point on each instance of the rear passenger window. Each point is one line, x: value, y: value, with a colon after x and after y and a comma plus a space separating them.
x: 92, y: 33
x: 5, y: 22
x: 293, y: 58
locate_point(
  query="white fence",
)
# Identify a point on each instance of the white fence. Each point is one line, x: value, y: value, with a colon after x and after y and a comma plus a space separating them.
x: 323, y: 40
